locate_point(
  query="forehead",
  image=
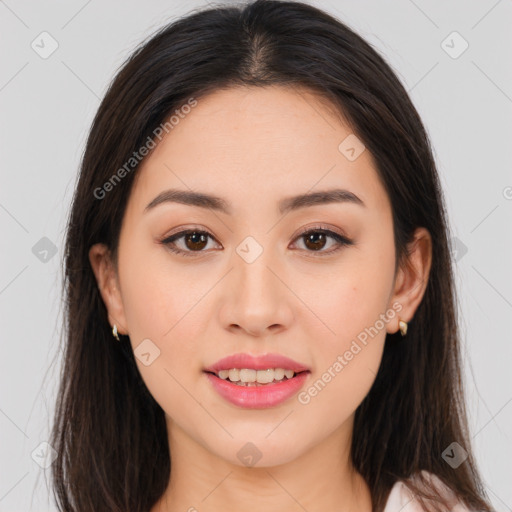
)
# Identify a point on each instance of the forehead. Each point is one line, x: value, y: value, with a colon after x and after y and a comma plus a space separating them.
x: 248, y: 141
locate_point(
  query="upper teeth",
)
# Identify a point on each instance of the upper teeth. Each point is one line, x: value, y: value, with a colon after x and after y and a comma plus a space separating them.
x: 250, y: 375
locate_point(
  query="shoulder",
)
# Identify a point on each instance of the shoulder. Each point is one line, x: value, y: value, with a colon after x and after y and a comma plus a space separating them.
x: 402, y: 499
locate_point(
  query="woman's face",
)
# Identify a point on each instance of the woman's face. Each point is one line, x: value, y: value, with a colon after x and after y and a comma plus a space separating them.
x: 254, y: 284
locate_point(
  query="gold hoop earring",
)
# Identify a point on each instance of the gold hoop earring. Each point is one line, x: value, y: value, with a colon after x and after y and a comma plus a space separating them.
x: 403, y: 327
x: 114, y: 332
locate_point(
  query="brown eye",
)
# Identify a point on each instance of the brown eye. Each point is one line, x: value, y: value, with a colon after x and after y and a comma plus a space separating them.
x: 195, y: 241
x: 315, y: 241
x: 192, y: 241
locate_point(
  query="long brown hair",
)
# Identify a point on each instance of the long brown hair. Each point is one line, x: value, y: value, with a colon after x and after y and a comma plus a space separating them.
x: 109, y: 432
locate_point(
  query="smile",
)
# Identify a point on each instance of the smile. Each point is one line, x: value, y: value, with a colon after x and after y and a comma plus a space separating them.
x: 248, y: 392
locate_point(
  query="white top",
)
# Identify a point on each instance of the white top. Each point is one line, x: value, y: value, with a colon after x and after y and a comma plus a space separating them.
x: 401, y: 498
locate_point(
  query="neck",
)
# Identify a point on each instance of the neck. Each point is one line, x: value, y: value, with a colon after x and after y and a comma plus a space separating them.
x: 321, y: 479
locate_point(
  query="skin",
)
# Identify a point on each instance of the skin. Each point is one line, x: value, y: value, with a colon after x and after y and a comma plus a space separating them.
x: 253, y: 147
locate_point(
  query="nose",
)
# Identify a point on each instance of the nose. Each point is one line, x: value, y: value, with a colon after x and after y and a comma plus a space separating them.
x: 258, y: 300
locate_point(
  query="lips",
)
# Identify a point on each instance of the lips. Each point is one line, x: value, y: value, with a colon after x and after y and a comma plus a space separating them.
x: 262, y: 362
x: 258, y: 397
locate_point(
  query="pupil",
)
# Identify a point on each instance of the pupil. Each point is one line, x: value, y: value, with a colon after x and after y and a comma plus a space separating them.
x: 314, y: 239
x: 196, y: 238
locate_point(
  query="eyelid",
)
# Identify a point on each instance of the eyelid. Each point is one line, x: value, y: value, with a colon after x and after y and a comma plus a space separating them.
x: 184, y: 230
x: 320, y: 227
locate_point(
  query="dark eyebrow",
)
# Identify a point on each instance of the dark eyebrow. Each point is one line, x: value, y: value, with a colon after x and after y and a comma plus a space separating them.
x: 285, y: 205
x: 190, y: 198
x: 337, y: 195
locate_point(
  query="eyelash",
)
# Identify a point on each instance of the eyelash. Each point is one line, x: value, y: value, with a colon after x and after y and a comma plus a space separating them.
x: 341, y: 240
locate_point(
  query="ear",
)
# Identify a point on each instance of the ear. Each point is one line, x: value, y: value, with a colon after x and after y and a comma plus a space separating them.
x: 107, y: 280
x: 412, y: 277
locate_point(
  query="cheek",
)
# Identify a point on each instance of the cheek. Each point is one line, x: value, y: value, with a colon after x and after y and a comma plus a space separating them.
x: 355, y: 297
x: 337, y: 389
x: 161, y: 306
x: 347, y: 360
x: 157, y: 295
x: 354, y: 306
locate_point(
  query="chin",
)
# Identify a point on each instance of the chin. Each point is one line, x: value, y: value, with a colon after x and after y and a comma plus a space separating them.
x: 258, y: 451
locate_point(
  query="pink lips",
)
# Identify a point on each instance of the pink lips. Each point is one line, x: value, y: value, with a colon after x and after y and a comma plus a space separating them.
x: 257, y: 397
x: 257, y: 363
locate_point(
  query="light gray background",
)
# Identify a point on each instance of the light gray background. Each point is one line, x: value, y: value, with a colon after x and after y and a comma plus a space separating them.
x: 47, y: 106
